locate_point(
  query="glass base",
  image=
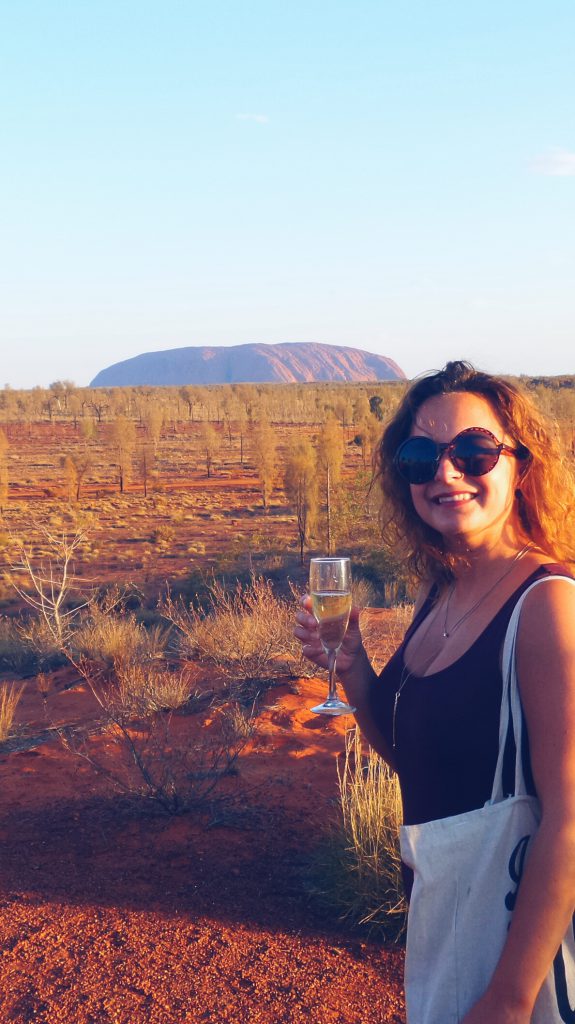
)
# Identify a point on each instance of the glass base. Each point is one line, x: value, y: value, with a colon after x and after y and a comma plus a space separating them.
x: 333, y: 707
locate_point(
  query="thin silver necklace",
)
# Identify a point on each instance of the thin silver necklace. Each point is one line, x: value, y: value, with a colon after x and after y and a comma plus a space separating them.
x: 448, y: 632
x: 406, y: 673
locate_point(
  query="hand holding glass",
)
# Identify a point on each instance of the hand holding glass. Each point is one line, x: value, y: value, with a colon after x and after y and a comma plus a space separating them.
x: 330, y: 592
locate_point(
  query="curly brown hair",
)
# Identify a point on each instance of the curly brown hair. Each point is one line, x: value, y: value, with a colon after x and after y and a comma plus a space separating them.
x: 546, y: 495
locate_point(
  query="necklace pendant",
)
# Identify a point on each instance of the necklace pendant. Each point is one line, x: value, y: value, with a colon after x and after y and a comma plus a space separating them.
x: 445, y: 634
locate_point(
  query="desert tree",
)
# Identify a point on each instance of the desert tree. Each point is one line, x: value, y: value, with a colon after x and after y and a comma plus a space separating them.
x: 153, y: 420
x: 330, y: 453
x: 87, y: 429
x: 368, y: 434
x: 3, y: 470
x: 209, y: 444
x: 99, y: 404
x: 264, y: 454
x: 241, y: 426
x: 50, y: 402
x: 9, y: 400
x: 188, y: 397
x: 343, y: 409
x: 122, y: 441
x: 229, y: 407
x: 300, y: 484
x: 147, y: 465
x: 74, y: 408
x: 361, y: 408
x: 62, y: 390
x: 75, y: 466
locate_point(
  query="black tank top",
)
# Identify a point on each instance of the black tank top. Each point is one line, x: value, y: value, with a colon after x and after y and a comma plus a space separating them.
x: 447, y: 724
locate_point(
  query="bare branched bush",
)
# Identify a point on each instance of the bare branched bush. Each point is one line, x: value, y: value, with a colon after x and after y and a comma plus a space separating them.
x: 48, y: 584
x: 246, y: 632
x: 10, y: 695
x: 151, y: 760
x: 364, y: 873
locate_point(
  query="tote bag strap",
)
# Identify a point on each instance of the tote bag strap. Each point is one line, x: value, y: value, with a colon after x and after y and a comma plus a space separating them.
x: 511, y: 702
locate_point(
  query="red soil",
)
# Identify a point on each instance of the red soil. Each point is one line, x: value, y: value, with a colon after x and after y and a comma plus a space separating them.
x: 111, y: 914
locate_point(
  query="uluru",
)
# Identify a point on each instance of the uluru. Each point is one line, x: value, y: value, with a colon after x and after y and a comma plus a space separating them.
x: 286, y: 362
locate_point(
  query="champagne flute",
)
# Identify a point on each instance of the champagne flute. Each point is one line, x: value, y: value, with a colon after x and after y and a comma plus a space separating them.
x: 330, y: 591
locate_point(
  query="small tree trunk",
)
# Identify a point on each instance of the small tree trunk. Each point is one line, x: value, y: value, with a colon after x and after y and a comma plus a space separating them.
x: 328, y: 510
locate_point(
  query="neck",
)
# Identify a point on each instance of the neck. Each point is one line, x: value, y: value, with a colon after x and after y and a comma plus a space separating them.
x: 485, y: 555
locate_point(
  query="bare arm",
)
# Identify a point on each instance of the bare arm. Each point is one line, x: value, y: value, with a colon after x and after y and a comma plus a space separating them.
x: 546, y: 898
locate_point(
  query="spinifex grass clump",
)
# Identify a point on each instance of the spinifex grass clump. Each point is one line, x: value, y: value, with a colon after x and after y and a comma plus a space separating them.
x: 10, y: 695
x: 108, y: 634
x: 362, y: 870
x: 142, y: 689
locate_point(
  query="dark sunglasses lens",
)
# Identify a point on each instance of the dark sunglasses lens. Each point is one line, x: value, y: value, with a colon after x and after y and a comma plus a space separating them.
x: 475, y: 454
x: 416, y: 460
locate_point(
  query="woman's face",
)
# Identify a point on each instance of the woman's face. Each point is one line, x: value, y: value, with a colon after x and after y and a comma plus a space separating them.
x: 460, y: 507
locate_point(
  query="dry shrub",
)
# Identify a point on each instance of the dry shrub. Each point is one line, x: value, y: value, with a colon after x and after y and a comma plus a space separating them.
x: 10, y: 645
x: 364, y: 873
x: 153, y: 761
x: 362, y: 593
x: 27, y: 644
x: 10, y: 695
x: 247, y: 632
x: 108, y: 635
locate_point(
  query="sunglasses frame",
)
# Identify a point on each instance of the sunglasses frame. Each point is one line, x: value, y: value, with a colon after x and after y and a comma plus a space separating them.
x: 443, y: 447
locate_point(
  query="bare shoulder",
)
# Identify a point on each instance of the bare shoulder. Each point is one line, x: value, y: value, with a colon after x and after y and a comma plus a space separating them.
x: 546, y: 675
x: 548, y: 611
x: 546, y: 635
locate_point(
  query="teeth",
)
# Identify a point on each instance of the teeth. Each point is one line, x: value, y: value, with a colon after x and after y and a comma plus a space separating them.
x: 447, y: 499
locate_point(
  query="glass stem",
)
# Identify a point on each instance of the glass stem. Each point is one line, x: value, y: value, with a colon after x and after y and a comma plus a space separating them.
x: 332, y: 695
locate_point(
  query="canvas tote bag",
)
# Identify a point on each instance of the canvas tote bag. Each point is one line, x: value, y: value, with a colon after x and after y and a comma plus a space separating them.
x: 467, y: 870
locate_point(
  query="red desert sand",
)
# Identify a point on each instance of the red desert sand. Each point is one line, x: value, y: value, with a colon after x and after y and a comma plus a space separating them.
x: 113, y: 914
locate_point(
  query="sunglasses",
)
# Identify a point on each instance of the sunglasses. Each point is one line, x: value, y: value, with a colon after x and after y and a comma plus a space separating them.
x: 474, y: 452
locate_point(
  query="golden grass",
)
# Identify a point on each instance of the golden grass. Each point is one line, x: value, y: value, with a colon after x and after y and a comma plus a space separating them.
x: 141, y: 689
x: 360, y: 864
x: 107, y: 636
x: 10, y: 695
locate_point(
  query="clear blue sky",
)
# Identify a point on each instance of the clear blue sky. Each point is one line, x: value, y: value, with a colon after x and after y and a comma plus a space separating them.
x: 399, y: 177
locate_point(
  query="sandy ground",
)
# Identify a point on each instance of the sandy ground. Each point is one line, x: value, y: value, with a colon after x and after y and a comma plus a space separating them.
x: 113, y: 914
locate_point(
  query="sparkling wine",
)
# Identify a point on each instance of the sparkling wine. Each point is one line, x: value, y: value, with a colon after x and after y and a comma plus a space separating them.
x: 331, y: 609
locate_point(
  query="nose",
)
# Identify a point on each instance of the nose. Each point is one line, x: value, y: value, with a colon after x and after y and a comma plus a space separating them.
x: 446, y: 470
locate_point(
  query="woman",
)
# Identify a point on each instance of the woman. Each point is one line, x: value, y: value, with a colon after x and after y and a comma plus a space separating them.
x: 480, y: 502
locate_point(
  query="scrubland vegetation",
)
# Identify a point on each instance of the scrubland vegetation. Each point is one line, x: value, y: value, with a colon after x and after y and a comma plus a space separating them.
x: 154, y: 537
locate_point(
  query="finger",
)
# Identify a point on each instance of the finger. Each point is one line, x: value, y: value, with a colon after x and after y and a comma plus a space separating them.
x: 303, y: 634
x: 307, y: 621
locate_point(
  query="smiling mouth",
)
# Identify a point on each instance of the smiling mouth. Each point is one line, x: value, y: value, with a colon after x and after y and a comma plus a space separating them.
x: 453, y: 499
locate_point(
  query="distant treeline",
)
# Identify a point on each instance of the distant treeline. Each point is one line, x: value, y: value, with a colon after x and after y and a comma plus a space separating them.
x: 282, y: 403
